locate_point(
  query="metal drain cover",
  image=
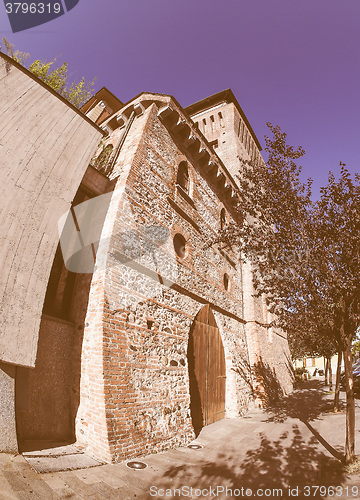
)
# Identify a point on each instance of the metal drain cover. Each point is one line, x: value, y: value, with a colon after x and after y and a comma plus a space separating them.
x: 195, y: 446
x: 136, y: 465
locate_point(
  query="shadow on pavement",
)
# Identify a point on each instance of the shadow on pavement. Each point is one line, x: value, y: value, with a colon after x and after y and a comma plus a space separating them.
x: 287, y: 462
x: 306, y: 403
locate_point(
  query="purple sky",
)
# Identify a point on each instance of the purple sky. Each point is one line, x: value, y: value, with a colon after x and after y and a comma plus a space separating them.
x: 295, y: 64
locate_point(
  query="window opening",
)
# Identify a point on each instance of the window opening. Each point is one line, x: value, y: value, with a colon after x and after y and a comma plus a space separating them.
x: 179, y: 245
x: 222, y: 218
x: 183, y: 179
x: 226, y: 281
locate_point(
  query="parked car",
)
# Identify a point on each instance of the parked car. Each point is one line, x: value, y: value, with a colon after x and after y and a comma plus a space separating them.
x: 356, y: 377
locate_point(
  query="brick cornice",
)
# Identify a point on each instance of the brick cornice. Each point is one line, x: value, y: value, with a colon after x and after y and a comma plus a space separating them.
x: 186, y: 134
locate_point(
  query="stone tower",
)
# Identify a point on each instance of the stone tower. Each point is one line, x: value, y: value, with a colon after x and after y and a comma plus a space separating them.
x: 224, y: 124
x: 143, y: 333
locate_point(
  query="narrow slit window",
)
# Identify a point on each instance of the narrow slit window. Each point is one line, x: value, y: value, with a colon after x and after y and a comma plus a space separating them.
x: 239, y: 129
x: 226, y: 281
x: 183, y: 179
x: 221, y: 119
x: 222, y: 219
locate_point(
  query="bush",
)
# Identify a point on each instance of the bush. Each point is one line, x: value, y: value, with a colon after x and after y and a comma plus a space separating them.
x: 301, y: 374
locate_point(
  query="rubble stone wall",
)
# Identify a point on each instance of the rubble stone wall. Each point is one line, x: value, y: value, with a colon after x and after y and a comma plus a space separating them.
x: 135, y: 341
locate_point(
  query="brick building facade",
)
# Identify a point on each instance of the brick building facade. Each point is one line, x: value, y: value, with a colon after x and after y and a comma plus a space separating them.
x: 148, y: 333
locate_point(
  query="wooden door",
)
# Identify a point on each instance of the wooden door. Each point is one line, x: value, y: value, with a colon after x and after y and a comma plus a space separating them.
x: 206, y: 360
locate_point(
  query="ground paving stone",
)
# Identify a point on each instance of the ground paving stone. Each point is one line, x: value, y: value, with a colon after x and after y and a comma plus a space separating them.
x: 6, y: 492
x: 109, y: 474
x: 60, y: 463
x: 80, y: 488
x: 293, y: 444
x: 55, y: 481
x: 105, y: 490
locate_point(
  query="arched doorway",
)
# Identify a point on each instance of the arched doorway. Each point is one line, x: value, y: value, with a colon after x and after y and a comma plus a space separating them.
x: 48, y: 395
x: 207, y: 373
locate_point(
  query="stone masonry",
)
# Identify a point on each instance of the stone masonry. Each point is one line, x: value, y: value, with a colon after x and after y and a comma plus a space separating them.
x: 135, y: 385
x: 133, y: 273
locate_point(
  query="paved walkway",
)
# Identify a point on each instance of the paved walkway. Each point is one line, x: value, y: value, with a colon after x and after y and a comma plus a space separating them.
x: 294, y: 444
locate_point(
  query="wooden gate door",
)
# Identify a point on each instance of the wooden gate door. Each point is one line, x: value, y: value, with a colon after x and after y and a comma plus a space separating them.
x: 206, y: 360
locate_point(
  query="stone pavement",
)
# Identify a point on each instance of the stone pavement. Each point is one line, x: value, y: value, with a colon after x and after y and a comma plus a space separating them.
x: 293, y: 444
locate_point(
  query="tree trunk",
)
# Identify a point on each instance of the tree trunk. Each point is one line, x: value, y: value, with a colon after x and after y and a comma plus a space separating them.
x: 330, y: 374
x: 326, y: 370
x: 337, y: 383
x: 350, y: 406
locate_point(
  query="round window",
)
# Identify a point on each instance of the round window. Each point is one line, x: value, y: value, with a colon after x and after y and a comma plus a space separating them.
x: 179, y: 245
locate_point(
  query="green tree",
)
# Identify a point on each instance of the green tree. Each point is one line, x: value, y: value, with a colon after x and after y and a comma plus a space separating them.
x: 15, y: 54
x: 355, y: 348
x: 310, y: 334
x: 56, y: 78
x: 77, y: 93
x: 80, y: 92
x: 305, y: 256
x: 271, y: 226
x: 336, y: 225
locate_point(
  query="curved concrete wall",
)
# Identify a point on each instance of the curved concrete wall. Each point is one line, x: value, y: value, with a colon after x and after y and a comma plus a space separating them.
x: 45, y: 148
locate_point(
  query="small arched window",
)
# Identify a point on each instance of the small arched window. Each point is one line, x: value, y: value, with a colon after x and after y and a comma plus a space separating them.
x: 180, y: 245
x: 222, y: 219
x: 226, y: 281
x: 183, y: 179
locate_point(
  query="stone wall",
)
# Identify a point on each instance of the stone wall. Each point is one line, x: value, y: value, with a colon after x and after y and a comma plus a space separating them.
x: 48, y: 395
x: 135, y: 382
x: 130, y: 392
x: 43, y: 393
x: 45, y: 148
x: 226, y: 127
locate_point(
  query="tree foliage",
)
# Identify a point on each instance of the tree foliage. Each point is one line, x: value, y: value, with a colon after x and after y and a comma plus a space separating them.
x: 270, y: 230
x: 77, y: 93
x: 356, y: 348
x: 17, y: 55
x: 305, y: 255
x: 336, y: 222
x: 56, y: 78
